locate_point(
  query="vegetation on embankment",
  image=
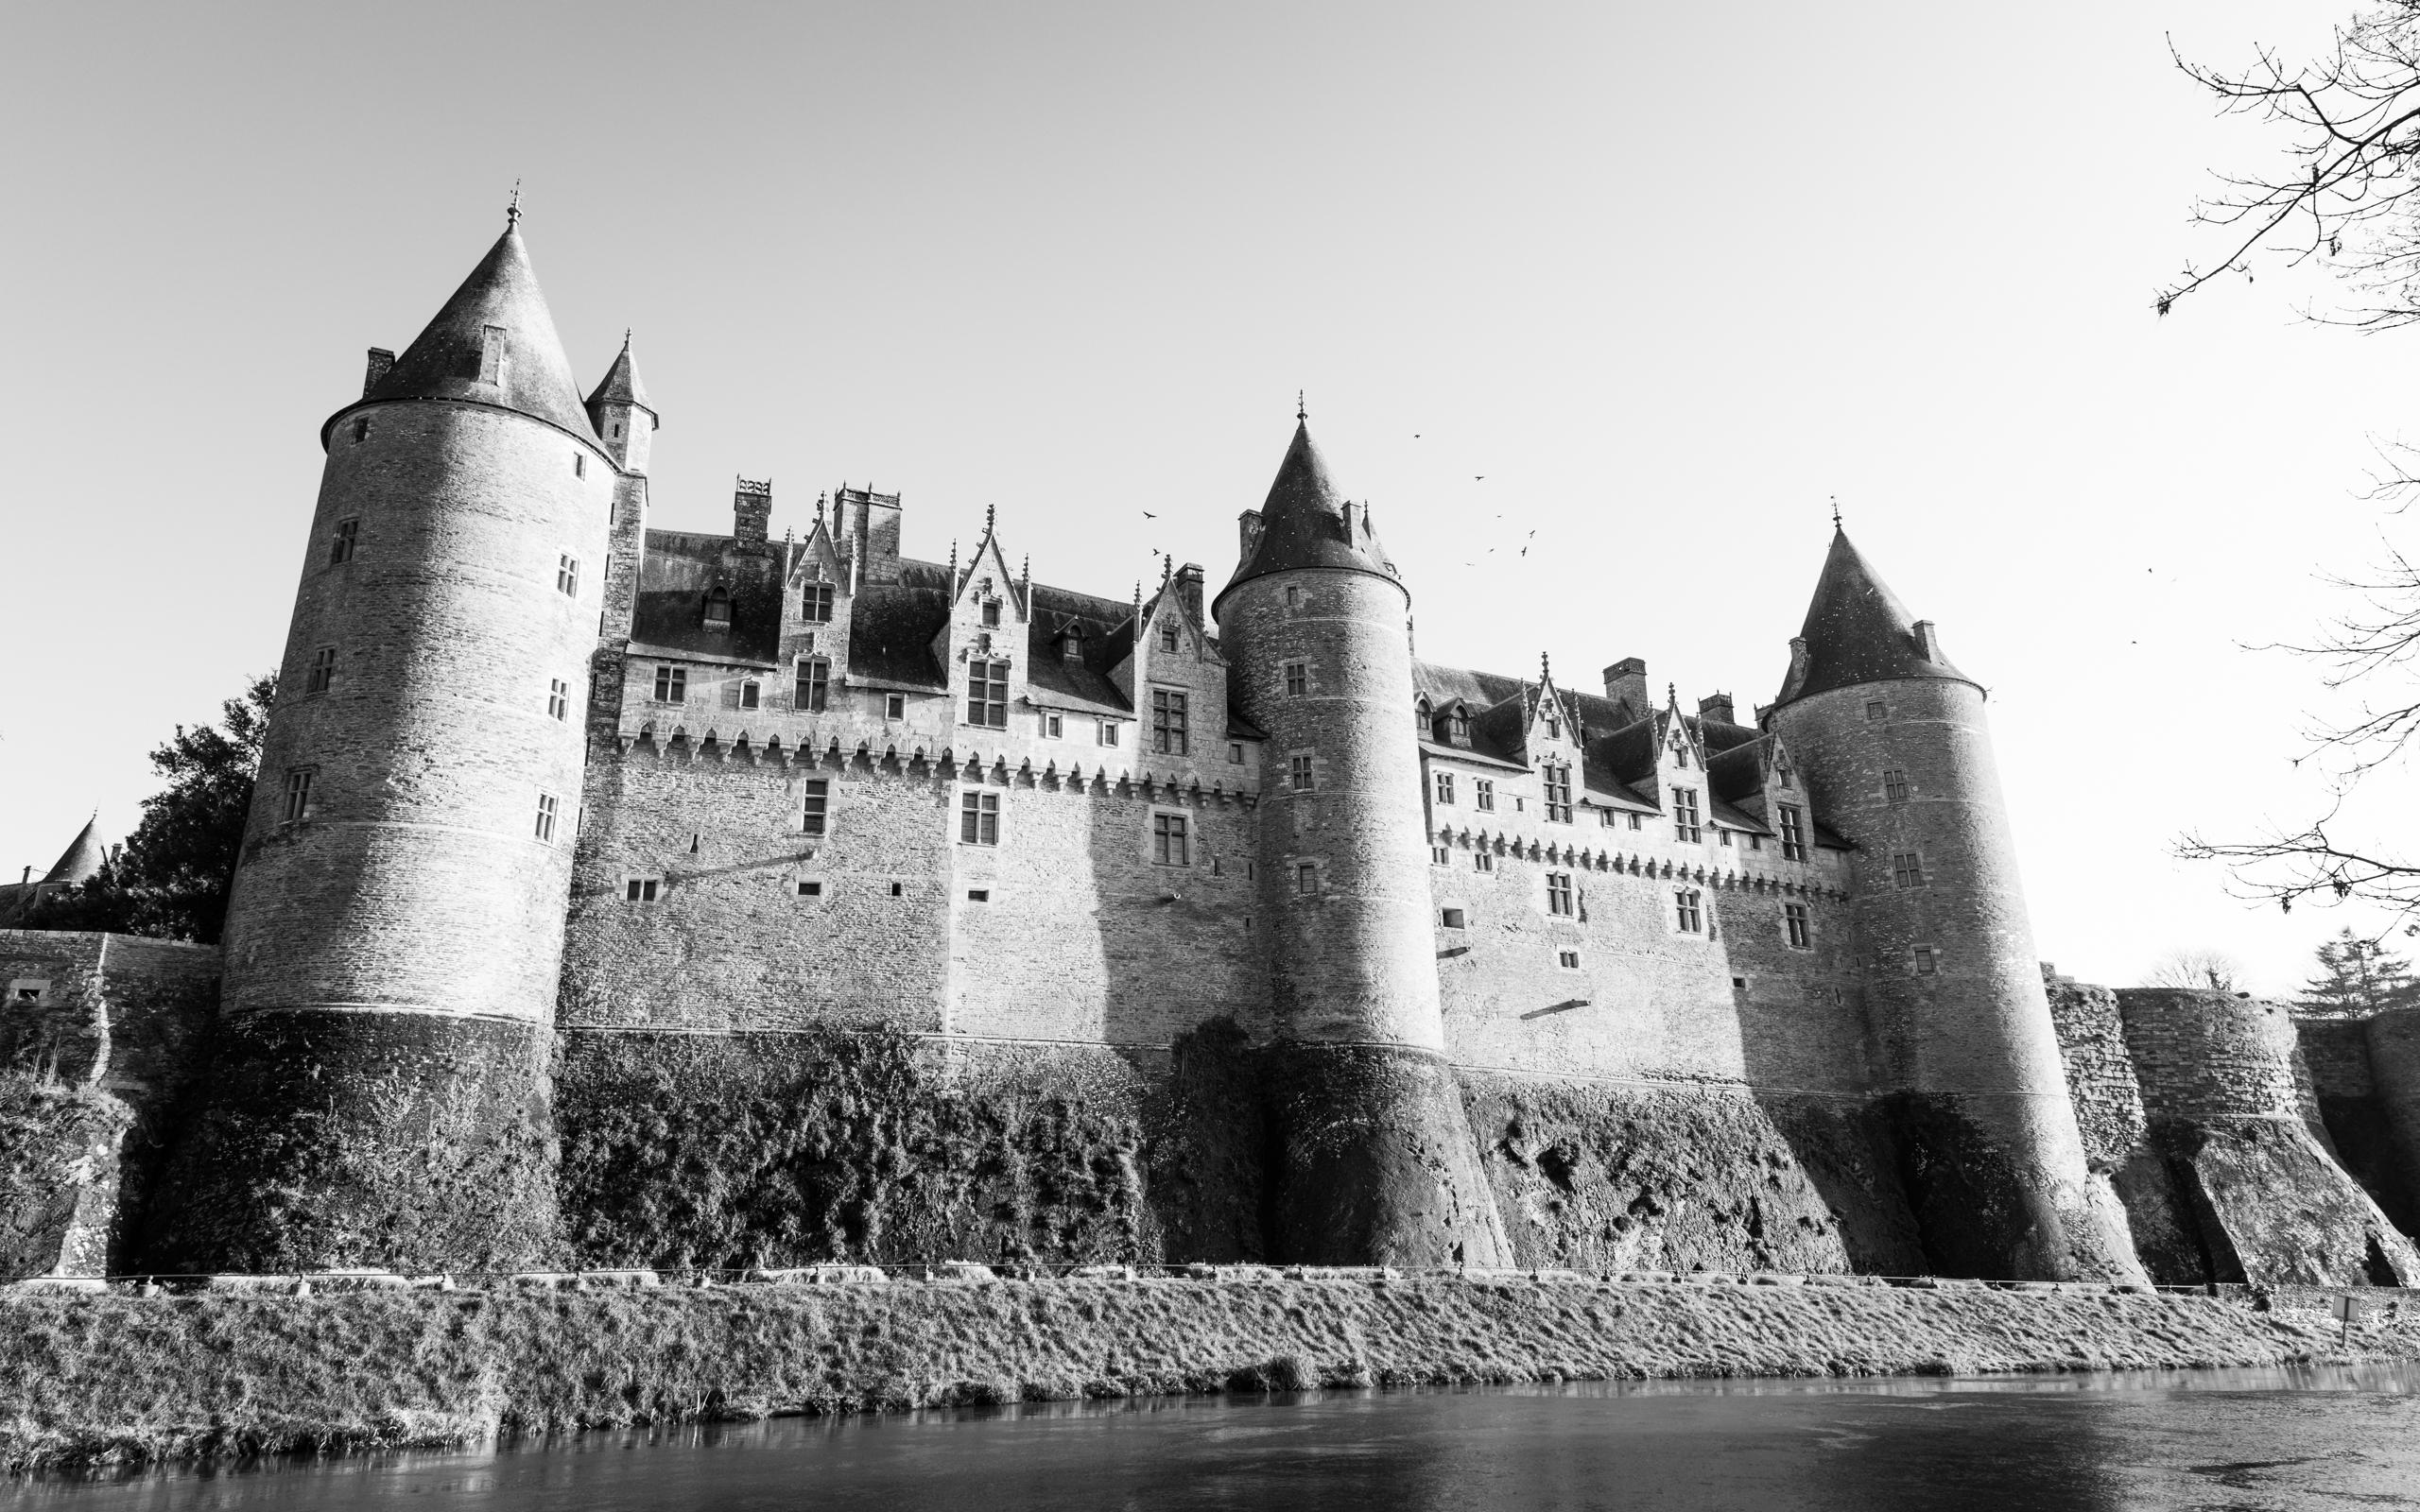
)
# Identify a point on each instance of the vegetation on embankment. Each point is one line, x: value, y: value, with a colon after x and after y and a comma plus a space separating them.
x: 107, y: 1378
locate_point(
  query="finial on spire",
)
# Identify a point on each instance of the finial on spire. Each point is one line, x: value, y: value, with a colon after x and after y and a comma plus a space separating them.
x: 1672, y: 694
x: 990, y: 511
x: 1302, y: 411
x: 626, y: 338
x: 512, y: 218
x: 1545, y: 672
x: 1835, y: 511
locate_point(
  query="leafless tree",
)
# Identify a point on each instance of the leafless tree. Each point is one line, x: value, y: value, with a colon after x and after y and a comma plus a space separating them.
x: 2344, y: 193
x: 2208, y: 971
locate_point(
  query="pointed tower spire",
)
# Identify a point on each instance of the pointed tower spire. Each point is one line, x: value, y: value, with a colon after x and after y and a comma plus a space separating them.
x: 493, y: 343
x: 82, y: 857
x: 622, y: 414
x: 1305, y: 522
x: 1858, y: 631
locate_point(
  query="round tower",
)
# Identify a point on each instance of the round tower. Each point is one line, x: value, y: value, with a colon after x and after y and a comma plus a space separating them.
x: 1376, y: 1161
x: 395, y: 930
x: 1892, y: 742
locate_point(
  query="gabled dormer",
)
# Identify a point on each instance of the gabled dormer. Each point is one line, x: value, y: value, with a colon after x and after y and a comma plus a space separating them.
x: 981, y: 646
x: 817, y: 602
x: 1173, y: 673
x: 1681, y: 785
x: 1552, y: 745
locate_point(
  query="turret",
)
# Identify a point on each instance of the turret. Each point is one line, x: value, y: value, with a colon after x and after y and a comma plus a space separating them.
x: 395, y: 928
x: 1893, y: 745
x: 620, y: 415
x: 1377, y: 1163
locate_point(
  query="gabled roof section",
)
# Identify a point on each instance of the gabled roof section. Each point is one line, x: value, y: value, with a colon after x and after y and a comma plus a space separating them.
x: 81, y: 859
x: 1858, y: 631
x: 447, y: 360
x: 1306, y: 524
x: 621, y: 385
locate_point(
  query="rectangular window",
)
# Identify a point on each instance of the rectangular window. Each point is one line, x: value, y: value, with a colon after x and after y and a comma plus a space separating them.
x: 1793, y: 917
x: 1684, y: 815
x: 1169, y: 733
x: 1906, y: 869
x: 1438, y: 857
x: 567, y: 575
x: 1483, y: 793
x: 752, y: 694
x: 1051, y: 726
x: 978, y: 819
x: 1559, y: 893
x: 811, y: 691
x: 895, y: 706
x: 558, y: 698
x: 348, y: 536
x: 815, y: 603
x: 1109, y: 732
x: 987, y: 693
x: 1895, y: 785
x: 323, y: 670
x: 816, y: 807
x: 1558, y: 780
x: 1169, y: 637
x: 671, y: 685
x: 1298, y: 773
x: 548, y: 806
x: 1793, y: 833
x: 1170, y: 847
x: 1307, y: 878
x: 1298, y: 678
x: 1927, y: 961
x: 1874, y: 711
x: 1452, y: 919
x: 1637, y: 822
x: 580, y: 464
x: 1444, y: 787
x: 493, y: 347
x: 991, y: 613
x: 1484, y: 861
x: 298, y: 795
x: 1568, y: 960
x: 640, y: 889
x: 1721, y: 834
x: 1688, y: 905
x: 810, y: 889
x: 1235, y: 751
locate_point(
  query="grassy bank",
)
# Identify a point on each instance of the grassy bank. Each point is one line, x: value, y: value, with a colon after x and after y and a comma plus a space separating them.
x: 118, y: 1379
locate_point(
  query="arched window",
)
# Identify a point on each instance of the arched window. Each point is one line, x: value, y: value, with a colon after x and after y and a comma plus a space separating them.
x: 719, y: 606
x: 1425, y: 720
x: 1459, y: 724
x: 1072, y: 647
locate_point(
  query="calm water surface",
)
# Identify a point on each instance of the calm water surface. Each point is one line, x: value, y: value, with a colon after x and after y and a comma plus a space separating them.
x: 2200, y: 1439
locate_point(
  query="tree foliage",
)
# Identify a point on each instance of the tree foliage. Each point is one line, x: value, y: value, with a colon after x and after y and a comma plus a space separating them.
x: 2342, y: 192
x: 170, y: 878
x: 2204, y: 970
x: 2357, y: 978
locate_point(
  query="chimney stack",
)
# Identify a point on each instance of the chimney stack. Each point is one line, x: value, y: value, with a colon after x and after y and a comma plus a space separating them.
x: 1626, y: 683
x: 752, y: 511
x: 1928, y: 641
x: 1188, y: 588
x: 1717, y: 707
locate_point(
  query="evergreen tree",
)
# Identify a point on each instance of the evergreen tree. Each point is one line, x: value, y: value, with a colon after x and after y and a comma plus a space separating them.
x: 170, y: 878
x: 2357, y: 977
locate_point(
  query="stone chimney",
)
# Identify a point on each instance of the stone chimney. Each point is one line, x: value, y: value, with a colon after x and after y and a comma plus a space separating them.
x: 1717, y: 707
x: 1247, y: 534
x: 1188, y: 588
x: 1626, y: 682
x: 752, y: 511
x: 1928, y: 641
x: 380, y: 360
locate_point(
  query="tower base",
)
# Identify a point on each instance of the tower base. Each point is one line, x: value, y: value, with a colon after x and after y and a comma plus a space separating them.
x: 1374, y: 1165
x: 1984, y: 1208
x: 334, y: 1139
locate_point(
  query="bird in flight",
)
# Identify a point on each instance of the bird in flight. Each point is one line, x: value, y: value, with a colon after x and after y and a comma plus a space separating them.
x: 1148, y: 515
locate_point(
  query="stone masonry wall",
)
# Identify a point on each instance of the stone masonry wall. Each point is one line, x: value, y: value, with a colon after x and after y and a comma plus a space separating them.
x: 2336, y: 1052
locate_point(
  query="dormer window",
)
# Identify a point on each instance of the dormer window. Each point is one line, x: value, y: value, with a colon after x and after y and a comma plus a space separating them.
x: 494, y: 346
x: 815, y: 603
x: 1681, y: 757
x: 1458, y: 725
x: 1169, y: 637
x: 719, y: 608
x: 1555, y: 728
x: 992, y: 612
x: 1071, y: 648
x: 1424, y: 720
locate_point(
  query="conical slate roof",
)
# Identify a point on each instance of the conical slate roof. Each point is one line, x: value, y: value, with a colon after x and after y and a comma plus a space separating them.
x: 1858, y: 631
x: 446, y: 361
x: 1304, y: 523
x: 81, y: 859
x: 621, y: 384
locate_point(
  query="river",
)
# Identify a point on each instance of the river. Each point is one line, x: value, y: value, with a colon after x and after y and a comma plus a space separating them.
x: 2273, y: 1439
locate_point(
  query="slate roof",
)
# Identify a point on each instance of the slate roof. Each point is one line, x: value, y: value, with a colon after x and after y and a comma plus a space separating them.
x: 81, y: 859
x: 620, y: 384
x: 1858, y: 631
x: 444, y: 361
x: 1305, y: 522
x: 680, y: 570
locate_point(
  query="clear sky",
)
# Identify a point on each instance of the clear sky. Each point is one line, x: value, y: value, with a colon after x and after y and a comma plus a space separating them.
x: 1652, y: 282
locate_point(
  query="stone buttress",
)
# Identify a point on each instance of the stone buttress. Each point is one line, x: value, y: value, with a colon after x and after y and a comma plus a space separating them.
x: 1898, y: 758
x: 1374, y: 1161
x: 379, y: 1095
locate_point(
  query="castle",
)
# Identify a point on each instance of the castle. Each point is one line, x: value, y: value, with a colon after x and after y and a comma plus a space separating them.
x: 1202, y: 924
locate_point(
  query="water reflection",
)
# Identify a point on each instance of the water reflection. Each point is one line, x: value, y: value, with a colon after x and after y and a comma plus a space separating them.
x: 2284, y: 1439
